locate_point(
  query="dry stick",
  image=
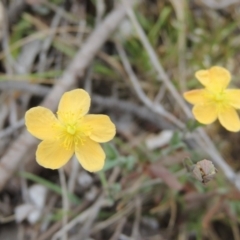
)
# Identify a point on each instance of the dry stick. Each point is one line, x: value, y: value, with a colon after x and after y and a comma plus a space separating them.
x: 81, y: 28
x: 34, y: 89
x: 55, y: 227
x: 87, y: 226
x: 64, y: 14
x: 4, y: 110
x: 160, y: 95
x: 100, y: 4
x: 5, y: 44
x: 235, y: 229
x: 12, y: 128
x: 135, y: 82
x: 19, y: 148
x: 88, y: 212
x: 124, y: 237
x: 219, y: 4
x: 138, y: 213
x: 105, y: 102
x: 118, y: 229
x: 202, y: 138
x: 114, y: 218
x: 48, y: 41
x: 16, y: 8
x: 2, y: 20
x: 180, y: 8
x: 65, y: 202
x: 173, y: 213
x: 134, y: 109
x: 154, y: 59
x: 80, y: 218
x: 39, y: 35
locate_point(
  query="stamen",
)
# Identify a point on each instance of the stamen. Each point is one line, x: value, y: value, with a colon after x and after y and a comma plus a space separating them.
x: 71, y: 130
x: 68, y: 142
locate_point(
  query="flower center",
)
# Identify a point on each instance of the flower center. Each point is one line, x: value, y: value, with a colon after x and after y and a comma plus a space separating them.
x: 71, y: 129
x: 219, y: 97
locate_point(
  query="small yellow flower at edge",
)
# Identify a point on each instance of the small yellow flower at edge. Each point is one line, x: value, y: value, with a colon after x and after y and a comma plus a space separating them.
x: 72, y: 131
x: 215, y: 100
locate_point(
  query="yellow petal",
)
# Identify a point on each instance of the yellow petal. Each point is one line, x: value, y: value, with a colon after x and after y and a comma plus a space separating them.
x: 215, y: 79
x: 203, y: 77
x: 75, y: 102
x: 195, y: 96
x: 51, y: 154
x: 40, y: 121
x: 102, y: 128
x: 205, y: 113
x: 233, y: 97
x: 90, y: 155
x: 229, y: 118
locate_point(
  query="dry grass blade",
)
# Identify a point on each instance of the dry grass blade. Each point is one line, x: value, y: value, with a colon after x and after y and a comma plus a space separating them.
x: 219, y: 4
x: 118, y: 229
x: 79, y: 219
x: 2, y: 20
x: 138, y: 213
x: 116, y: 217
x: 180, y: 9
x: 135, y: 82
x: 157, y: 170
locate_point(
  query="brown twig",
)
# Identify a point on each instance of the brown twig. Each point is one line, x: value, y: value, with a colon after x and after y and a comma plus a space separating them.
x: 15, y: 10
x: 157, y: 108
x: 135, y: 228
x: 105, y: 102
x: 86, y: 215
x: 34, y: 89
x: 219, y: 4
x: 114, y: 218
x: 118, y: 229
x: 56, y: 226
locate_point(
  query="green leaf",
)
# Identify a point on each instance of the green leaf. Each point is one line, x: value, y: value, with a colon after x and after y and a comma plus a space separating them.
x: 192, y: 124
x: 103, y: 69
x: 111, y: 151
x: 155, y: 30
x: 65, y: 49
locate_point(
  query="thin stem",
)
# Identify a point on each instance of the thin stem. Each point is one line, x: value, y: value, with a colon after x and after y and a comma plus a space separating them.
x: 74, y: 174
x: 65, y: 202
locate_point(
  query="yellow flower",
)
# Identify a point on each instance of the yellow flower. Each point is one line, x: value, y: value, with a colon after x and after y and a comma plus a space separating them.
x: 215, y: 100
x: 71, y: 131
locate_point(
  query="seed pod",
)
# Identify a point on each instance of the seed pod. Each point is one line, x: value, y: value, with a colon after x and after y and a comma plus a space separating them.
x: 204, y: 171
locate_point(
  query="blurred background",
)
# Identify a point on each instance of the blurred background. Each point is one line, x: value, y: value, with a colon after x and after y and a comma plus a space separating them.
x: 135, y: 59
